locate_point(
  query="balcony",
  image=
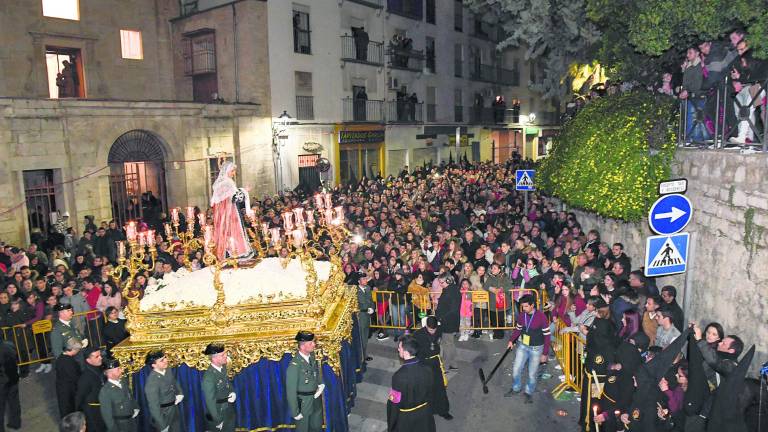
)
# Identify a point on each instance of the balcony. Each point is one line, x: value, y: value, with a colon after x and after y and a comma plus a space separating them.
x: 493, y: 74
x: 376, y: 4
x: 403, y: 111
x: 412, y: 9
x: 362, y: 110
x: 510, y: 77
x: 305, y: 108
x: 357, y: 51
x: 405, y: 59
x: 458, y: 113
x: 487, y: 115
x: 431, y: 113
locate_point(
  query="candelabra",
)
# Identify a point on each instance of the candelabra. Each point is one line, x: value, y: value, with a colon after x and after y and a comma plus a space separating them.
x: 140, y: 257
x: 189, y: 242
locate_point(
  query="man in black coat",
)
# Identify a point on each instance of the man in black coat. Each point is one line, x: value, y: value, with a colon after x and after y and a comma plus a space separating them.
x: 408, y: 405
x: 447, y: 313
x: 428, y: 339
x: 9, y: 387
x: 67, y: 376
x: 88, y: 388
x: 669, y: 295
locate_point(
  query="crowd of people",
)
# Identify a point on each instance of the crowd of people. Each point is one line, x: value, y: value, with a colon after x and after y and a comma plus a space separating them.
x: 421, y: 243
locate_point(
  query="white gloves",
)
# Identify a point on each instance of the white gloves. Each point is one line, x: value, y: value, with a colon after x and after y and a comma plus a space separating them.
x: 220, y: 425
x: 370, y: 311
x: 135, y: 413
x: 232, y: 397
x: 319, y: 391
x: 179, y: 398
x: 298, y: 417
x: 85, y: 343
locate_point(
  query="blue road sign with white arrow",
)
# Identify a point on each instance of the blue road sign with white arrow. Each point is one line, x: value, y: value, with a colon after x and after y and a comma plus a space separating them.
x: 524, y: 180
x: 670, y: 214
x: 666, y: 254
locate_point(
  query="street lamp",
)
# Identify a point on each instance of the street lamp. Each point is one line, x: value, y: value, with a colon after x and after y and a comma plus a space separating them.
x: 279, y: 137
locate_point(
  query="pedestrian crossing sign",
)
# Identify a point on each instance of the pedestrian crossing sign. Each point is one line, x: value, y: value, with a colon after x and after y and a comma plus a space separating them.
x: 666, y: 254
x: 524, y: 180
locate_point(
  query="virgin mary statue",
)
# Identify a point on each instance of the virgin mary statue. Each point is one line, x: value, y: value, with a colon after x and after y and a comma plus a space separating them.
x: 228, y: 225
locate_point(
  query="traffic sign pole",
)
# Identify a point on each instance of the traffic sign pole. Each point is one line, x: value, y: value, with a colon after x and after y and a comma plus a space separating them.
x: 525, y: 207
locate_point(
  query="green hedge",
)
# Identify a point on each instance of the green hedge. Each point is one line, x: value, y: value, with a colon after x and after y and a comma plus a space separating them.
x: 601, y: 161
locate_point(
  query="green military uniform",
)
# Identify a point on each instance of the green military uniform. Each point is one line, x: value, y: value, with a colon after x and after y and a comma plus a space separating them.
x: 216, y: 391
x: 301, y: 382
x: 117, y: 407
x: 161, y: 391
x: 60, y: 334
x: 365, y: 301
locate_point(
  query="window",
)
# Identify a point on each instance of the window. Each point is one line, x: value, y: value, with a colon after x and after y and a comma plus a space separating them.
x: 64, y: 67
x: 200, y: 63
x: 304, y: 101
x: 130, y: 42
x: 458, y: 111
x: 458, y: 16
x: 430, y: 52
x: 431, y: 105
x: 65, y: 9
x: 430, y: 11
x: 458, y: 60
x: 301, y: 39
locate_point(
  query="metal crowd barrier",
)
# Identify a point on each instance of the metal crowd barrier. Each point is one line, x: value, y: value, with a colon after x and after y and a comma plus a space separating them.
x: 724, y: 112
x: 33, y: 342
x: 403, y: 311
x: 569, y: 351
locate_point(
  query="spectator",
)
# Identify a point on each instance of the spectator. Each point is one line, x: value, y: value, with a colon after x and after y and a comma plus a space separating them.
x: 74, y: 422
x: 114, y: 330
x: 666, y: 331
x: 669, y: 296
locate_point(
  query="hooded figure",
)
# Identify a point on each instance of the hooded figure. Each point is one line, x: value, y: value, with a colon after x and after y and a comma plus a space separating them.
x: 643, y: 409
x: 726, y: 415
x: 698, y: 390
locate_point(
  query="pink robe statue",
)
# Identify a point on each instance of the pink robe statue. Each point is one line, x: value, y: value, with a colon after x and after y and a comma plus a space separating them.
x: 228, y: 226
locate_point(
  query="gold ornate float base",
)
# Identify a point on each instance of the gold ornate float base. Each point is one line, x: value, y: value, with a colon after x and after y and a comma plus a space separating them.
x: 250, y: 332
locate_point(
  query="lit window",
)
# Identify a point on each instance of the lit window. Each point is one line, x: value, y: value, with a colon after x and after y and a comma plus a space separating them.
x: 130, y: 41
x: 66, y: 9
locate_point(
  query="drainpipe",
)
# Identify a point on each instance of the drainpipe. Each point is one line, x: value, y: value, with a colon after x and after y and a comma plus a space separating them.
x: 234, y: 37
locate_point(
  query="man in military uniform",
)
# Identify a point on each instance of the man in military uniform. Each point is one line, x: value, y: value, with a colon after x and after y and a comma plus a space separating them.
x: 428, y: 339
x: 118, y: 409
x: 163, y: 394
x: 88, y: 387
x: 408, y: 407
x: 365, y: 301
x: 63, y: 329
x: 304, y: 385
x: 218, y: 391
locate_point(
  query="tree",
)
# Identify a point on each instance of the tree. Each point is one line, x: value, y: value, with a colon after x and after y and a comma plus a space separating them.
x: 555, y: 34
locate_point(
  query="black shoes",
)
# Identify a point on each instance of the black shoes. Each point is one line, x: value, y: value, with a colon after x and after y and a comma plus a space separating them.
x: 511, y: 393
x: 369, y: 358
x: 528, y: 399
x: 447, y: 416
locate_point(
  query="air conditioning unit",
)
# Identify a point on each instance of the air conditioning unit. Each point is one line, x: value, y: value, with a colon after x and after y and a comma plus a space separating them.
x: 393, y: 83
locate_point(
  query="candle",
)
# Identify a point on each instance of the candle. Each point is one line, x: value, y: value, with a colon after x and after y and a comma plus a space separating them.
x: 328, y: 216
x: 275, y: 232
x: 191, y: 215
x: 207, y: 235
x: 201, y: 218
x: 130, y: 231
x: 265, y: 231
x: 288, y: 221
x: 339, y: 214
x: 121, y: 249
x: 142, y: 239
x: 298, y: 214
x: 319, y: 202
x: 328, y: 200
x: 151, y: 238
x: 298, y: 238
x: 175, y: 215
x: 250, y: 214
x: 168, y: 232
x: 597, y: 425
x: 310, y: 217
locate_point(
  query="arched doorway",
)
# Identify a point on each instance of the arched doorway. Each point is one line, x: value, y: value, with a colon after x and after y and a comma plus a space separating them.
x: 137, y: 177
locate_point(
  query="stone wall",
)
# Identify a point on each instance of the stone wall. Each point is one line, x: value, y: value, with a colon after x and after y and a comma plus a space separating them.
x: 727, y: 278
x: 73, y: 138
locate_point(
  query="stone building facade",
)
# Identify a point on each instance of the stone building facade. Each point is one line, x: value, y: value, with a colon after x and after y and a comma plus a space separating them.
x: 140, y: 115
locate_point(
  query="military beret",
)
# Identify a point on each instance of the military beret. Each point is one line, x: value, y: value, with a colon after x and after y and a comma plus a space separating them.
x: 153, y: 356
x: 62, y: 306
x: 305, y: 336
x: 213, y: 348
x: 111, y: 363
